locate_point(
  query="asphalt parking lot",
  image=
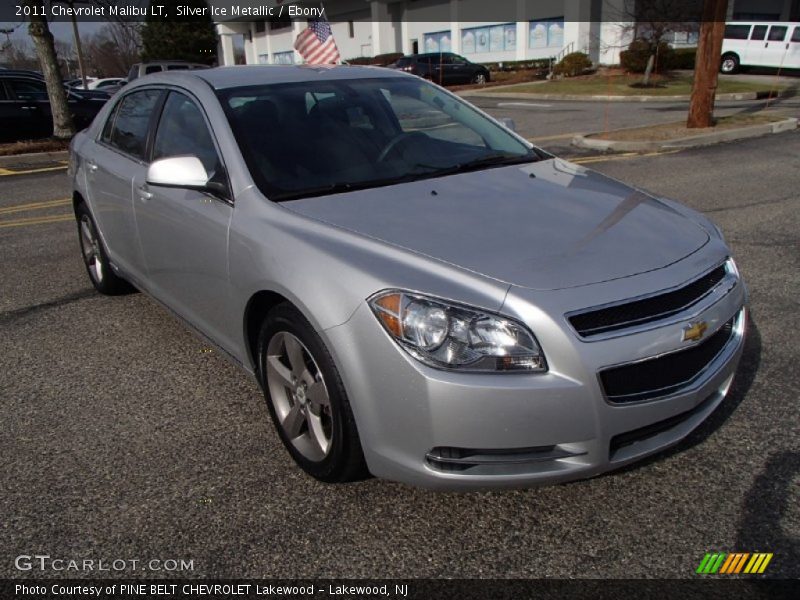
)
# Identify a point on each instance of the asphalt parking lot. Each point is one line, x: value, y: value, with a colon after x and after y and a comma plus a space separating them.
x: 126, y: 437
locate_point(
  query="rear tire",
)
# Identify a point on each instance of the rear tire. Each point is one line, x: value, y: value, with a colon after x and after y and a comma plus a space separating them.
x: 730, y: 64
x: 95, y: 258
x: 307, y: 400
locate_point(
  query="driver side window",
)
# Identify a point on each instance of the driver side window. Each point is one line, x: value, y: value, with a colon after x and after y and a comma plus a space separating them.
x: 182, y: 130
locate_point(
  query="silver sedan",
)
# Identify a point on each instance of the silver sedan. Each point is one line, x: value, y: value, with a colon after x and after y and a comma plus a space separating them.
x: 422, y: 295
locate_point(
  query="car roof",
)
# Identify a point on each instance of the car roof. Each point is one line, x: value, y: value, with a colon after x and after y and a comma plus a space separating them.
x: 244, y: 75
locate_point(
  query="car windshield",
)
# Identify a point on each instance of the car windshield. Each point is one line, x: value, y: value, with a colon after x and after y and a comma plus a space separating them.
x: 316, y: 138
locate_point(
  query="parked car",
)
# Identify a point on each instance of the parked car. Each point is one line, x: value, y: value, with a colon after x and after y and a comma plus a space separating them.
x: 146, y: 68
x: 444, y: 68
x: 760, y: 44
x: 25, y: 107
x: 107, y: 82
x: 422, y: 294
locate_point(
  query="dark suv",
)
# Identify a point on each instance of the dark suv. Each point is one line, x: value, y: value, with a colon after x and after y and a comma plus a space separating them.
x: 25, y: 107
x: 444, y: 68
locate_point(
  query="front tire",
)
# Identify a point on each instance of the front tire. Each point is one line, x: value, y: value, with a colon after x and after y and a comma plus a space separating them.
x: 95, y: 258
x: 479, y: 78
x: 307, y: 400
x: 730, y: 64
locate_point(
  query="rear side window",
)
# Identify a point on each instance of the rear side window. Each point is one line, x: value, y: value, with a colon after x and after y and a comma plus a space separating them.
x: 737, y: 32
x: 182, y: 130
x: 129, y: 132
x: 3, y: 93
x: 28, y: 90
x: 796, y: 35
x: 153, y: 69
x: 777, y: 33
x: 759, y: 32
x: 177, y: 67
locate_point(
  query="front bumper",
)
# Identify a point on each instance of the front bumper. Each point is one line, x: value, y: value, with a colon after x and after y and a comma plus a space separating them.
x: 460, y: 431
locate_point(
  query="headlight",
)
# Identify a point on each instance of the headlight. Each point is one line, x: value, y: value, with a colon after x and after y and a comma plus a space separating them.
x: 448, y: 336
x: 731, y: 268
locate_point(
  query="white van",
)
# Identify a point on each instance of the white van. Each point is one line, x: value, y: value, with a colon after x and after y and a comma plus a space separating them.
x: 760, y: 45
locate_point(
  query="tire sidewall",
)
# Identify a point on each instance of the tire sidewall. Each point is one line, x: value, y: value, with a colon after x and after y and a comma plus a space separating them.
x: 285, y: 318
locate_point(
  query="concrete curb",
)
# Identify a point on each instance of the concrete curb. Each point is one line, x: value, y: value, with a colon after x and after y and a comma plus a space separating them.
x: 584, y: 98
x: 34, y: 158
x: 706, y: 139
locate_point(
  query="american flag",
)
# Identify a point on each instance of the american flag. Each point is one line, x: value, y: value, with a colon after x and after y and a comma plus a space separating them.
x: 315, y: 44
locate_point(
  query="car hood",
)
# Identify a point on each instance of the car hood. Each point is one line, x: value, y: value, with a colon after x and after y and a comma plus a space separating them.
x: 545, y: 225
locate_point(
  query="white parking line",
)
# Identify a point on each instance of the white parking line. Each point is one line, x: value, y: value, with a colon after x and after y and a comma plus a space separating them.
x: 522, y: 105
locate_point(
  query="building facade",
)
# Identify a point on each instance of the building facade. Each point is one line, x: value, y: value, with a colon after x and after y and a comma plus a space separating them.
x: 529, y: 29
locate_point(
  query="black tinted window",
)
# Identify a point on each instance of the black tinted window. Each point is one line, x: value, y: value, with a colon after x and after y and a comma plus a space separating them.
x: 3, y: 93
x: 182, y: 130
x: 129, y: 133
x: 153, y: 69
x: 737, y: 32
x: 759, y: 32
x: 796, y: 35
x: 106, y: 135
x: 26, y: 89
x: 777, y: 33
x: 177, y: 67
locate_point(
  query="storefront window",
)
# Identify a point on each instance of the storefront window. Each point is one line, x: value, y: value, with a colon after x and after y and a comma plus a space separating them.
x: 283, y: 58
x: 493, y: 38
x: 546, y: 34
x: 437, y: 42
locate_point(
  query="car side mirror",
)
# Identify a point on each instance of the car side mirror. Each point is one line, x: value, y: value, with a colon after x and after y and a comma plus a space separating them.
x: 508, y: 123
x: 178, y: 172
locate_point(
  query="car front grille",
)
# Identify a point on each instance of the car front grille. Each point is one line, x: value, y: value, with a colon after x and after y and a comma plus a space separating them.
x: 639, y: 312
x: 663, y: 375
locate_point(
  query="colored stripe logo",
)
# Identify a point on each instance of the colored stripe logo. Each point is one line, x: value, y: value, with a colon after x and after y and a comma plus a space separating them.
x: 734, y: 563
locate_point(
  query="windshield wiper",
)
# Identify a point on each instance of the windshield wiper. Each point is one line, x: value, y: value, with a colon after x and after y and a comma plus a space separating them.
x: 493, y: 160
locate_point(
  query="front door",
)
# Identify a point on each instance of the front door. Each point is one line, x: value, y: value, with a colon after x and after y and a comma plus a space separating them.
x: 184, y: 233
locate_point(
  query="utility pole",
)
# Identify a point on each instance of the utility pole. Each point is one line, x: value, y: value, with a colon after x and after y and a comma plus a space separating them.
x: 706, y: 68
x: 78, y: 47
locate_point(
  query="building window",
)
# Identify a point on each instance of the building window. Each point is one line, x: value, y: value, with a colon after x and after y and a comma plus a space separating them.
x: 546, y: 34
x: 263, y: 59
x: 283, y: 58
x: 282, y: 22
x: 437, y: 42
x: 351, y: 29
x: 495, y: 38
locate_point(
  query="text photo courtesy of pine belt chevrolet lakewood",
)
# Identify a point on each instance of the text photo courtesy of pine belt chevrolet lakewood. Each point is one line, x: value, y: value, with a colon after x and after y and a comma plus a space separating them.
x: 423, y: 295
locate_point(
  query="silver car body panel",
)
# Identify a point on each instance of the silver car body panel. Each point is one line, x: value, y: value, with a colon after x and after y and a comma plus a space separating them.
x: 535, y: 248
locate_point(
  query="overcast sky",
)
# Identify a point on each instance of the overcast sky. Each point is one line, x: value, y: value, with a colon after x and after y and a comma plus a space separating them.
x: 60, y: 30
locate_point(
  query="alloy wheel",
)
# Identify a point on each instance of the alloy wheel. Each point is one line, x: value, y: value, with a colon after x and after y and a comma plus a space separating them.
x: 90, y: 247
x: 299, y: 396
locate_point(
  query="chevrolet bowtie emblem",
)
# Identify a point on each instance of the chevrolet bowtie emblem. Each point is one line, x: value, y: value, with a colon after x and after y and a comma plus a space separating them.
x: 694, y: 331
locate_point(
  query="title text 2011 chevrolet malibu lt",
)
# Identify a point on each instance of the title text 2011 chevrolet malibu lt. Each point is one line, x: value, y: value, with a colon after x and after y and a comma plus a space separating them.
x: 422, y: 294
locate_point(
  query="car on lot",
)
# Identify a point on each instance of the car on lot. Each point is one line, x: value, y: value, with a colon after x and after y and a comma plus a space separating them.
x: 422, y: 294
x: 107, y: 82
x: 25, y: 107
x: 148, y: 68
x: 760, y: 44
x: 444, y: 68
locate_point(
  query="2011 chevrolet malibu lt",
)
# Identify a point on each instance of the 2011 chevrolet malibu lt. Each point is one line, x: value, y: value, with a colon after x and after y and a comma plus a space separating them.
x: 422, y: 294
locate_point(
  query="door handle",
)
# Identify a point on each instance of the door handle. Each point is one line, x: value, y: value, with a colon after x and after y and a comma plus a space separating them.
x: 144, y: 195
x: 28, y: 107
x: 766, y: 45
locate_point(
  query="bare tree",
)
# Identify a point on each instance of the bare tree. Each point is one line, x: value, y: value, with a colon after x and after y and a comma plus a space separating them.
x: 113, y: 49
x: 19, y: 54
x: 63, y: 127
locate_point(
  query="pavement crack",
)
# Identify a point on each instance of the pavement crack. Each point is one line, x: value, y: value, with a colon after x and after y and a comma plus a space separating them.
x: 13, y: 315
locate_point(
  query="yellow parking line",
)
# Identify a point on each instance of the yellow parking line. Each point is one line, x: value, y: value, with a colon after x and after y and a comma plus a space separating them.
x: 34, y: 206
x: 36, y: 221
x: 9, y: 172
x: 602, y: 157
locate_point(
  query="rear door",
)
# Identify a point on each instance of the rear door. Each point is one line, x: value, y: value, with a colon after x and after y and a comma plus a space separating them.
x: 793, y: 55
x: 754, y: 55
x: 112, y: 163
x: 184, y: 233
x: 16, y: 122
x: 776, y: 46
x: 30, y: 103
